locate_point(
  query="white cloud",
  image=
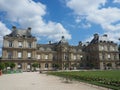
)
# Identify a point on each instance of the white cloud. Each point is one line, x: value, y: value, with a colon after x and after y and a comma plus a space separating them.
x: 3, y: 31
x: 28, y: 13
x: 116, y: 1
x: 94, y: 12
x: 85, y: 6
x: 114, y: 36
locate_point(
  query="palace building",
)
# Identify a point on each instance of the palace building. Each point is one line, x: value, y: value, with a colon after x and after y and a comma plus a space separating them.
x: 21, y: 47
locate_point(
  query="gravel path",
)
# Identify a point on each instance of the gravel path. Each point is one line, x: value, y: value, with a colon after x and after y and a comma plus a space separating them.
x: 36, y: 81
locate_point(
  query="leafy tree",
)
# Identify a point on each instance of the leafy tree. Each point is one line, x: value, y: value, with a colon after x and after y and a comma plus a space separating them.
x: 12, y: 65
x: 7, y: 64
x: 35, y: 65
x: 56, y: 65
x: 66, y: 65
x: 2, y: 66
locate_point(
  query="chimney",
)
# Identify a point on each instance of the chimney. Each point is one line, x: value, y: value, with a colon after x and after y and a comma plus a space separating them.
x: 80, y: 43
x: 29, y: 29
x: 105, y: 35
x: 49, y: 42
x: 13, y: 28
x: 96, y: 35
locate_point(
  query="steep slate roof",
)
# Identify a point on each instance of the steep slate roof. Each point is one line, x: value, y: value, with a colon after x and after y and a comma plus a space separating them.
x: 63, y: 40
x: 45, y: 46
x: 98, y: 38
x: 20, y: 32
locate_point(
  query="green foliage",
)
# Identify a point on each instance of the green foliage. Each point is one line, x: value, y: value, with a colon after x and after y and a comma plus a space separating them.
x: 109, y: 79
x: 7, y: 64
x: 35, y: 65
x: 66, y: 65
x: 12, y: 65
x: 2, y: 66
x: 56, y: 65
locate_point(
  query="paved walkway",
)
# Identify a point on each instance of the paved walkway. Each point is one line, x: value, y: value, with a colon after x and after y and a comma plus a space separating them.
x: 36, y: 81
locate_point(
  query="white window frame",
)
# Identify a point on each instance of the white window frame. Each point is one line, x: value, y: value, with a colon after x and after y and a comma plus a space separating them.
x: 29, y: 54
x: 65, y: 56
x: 38, y: 56
x: 19, y: 54
x: 10, y: 55
x: 74, y: 57
x: 109, y: 56
x: 46, y: 65
x: 19, y: 44
x: 10, y: 44
x: 29, y: 44
x: 46, y: 56
x: 28, y: 66
x: 102, y: 47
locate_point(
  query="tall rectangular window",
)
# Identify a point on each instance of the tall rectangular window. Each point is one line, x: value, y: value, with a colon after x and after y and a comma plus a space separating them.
x: 10, y: 44
x: 109, y: 56
x: 19, y: 44
x: 46, y: 56
x: 19, y: 55
x: 29, y: 45
x: 74, y: 57
x: 29, y: 55
x: 38, y: 56
x: 9, y: 55
x: 65, y: 56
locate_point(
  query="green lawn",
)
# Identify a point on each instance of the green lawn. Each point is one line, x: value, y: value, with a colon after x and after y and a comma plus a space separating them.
x: 109, y: 79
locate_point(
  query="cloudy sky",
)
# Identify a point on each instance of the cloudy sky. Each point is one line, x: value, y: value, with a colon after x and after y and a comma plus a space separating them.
x: 77, y: 20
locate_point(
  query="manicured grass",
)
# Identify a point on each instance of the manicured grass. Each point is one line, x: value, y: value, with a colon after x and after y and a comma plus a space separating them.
x: 109, y: 79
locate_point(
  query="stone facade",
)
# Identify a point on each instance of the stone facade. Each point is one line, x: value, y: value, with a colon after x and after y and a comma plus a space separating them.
x: 21, y: 48
x: 102, y: 53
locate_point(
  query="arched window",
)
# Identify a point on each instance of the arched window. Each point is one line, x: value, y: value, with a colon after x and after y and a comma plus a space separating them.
x: 46, y: 65
x: 19, y: 66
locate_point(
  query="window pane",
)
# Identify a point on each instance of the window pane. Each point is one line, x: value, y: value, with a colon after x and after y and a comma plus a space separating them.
x: 46, y: 56
x: 9, y: 55
x: 29, y: 55
x: 108, y: 55
x: 19, y: 44
x: 19, y: 54
x: 74, y: 57
x: 10, y: 44
x: 38, y: 56
x: 46, y: 65
x: 29, y: 44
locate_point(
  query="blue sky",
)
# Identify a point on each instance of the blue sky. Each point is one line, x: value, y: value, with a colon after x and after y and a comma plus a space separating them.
x: 77, y: 20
